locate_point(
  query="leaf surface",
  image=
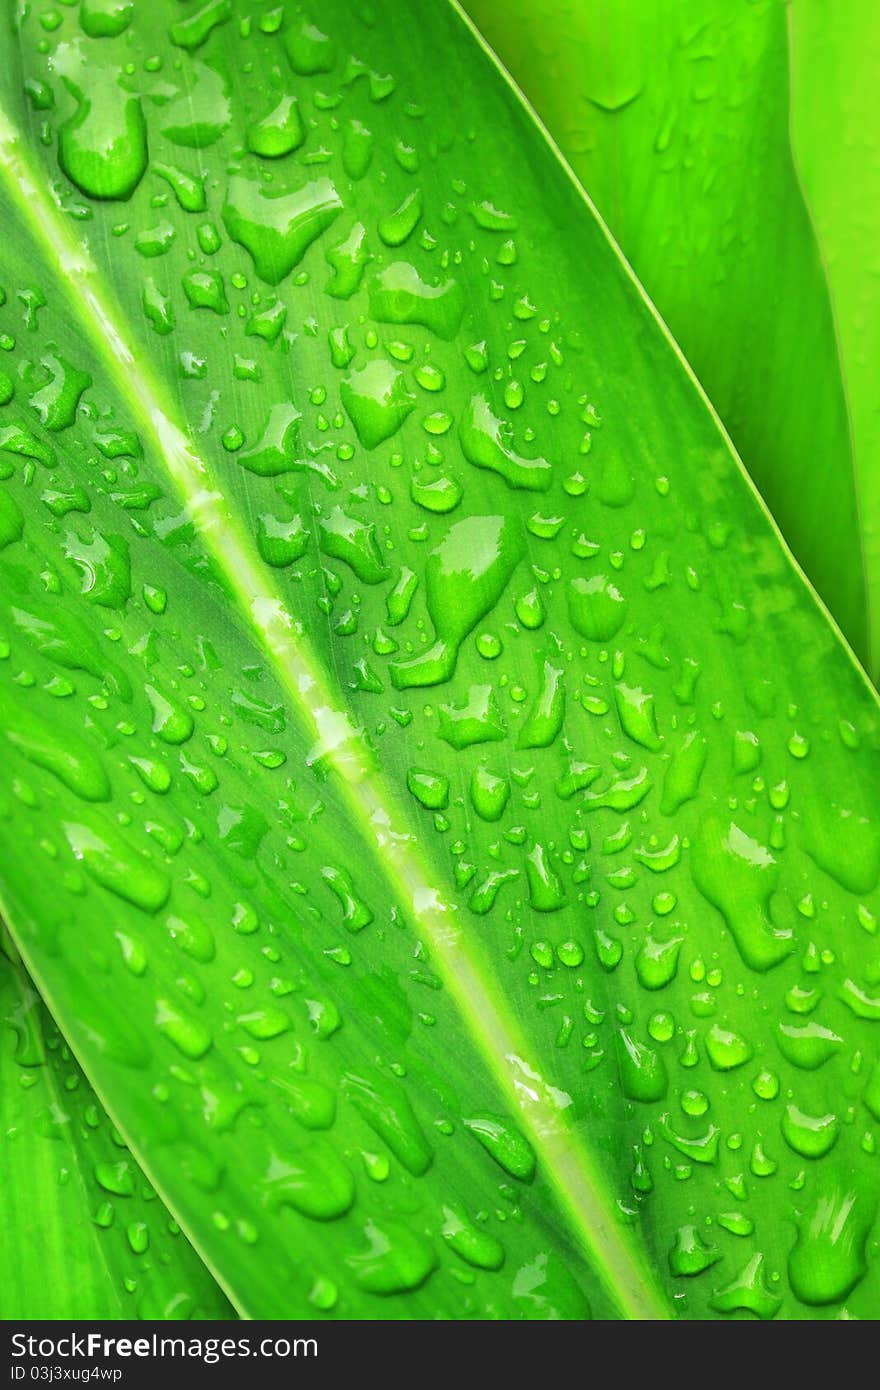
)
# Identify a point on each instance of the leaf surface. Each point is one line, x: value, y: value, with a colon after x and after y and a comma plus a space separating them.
x: 676, y: 118
x: 434, y: 808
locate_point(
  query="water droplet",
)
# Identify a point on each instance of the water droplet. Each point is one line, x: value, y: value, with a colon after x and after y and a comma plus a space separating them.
x: 386, y: 1108
x: 477, y: 720
x: 346, y: 538
x: 378, y: 401
x: 189, y: 191
x: 102, y: 147
x: 811, y: 1136
x: 116, y: 1178
x: 171, y: 721
x: 464, y: 578
x: 546, y: 715
x: 204, y: 289
x: 309, y: 50
x: 398, y: 226
x: 828, y: 1259
x: 690, y: 1255
x: 437, y: 495
x: 278, y: 228
x: 65, y: 755
x: 200, y: 113
x: 188, y: 1035
x: 635, y: 709
x: 657, y: 961
x: 348, y: 258
x: 355, y: 913
x: 477, y: 1247
x: 726, y: 1049
x: 683, y: 774
x: 103, y: 565
x: 643, y: 1074
x: 596, y: 607
x: 748, y: 1292
x: 280, y: 132
x: 112, y: 863
x: 280, y: 543
x: 737, y: 875
x: 398, y: 294
x: 105, y: 19
x: 312, y: 1180
x: 56, y: 402
x: 431, y: 789
x: 487, y: 442
x: 545, y: 887
x: 510, y: 1149
x: 396, y: 1260
x: 807, y: 1045
x: 547, y: 1291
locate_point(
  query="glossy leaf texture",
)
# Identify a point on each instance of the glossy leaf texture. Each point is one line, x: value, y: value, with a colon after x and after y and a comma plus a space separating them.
x: 835, y: 52
x: 675, y: 115
x: 83, y: 1234
x: 435, y: 809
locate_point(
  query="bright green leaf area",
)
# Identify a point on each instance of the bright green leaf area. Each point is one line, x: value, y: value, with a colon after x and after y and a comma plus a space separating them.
x: 438, y: 815
x: 675, y: 115
x: 85, y: 1236
x: 835, y: 52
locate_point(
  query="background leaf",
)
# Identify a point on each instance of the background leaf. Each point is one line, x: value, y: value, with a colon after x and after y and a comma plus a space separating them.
x: 454, y: 819
x: 84, y: 1235
x: 835, y: 50
x: 675, y: 117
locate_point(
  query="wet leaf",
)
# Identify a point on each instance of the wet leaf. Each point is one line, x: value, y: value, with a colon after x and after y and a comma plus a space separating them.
x: 463, y: 910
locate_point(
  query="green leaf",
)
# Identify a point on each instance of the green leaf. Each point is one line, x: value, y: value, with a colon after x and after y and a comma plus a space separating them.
x: 834, y: 54
x: 439, y: 815
x: 84, y: 1235
x: 676, y: 120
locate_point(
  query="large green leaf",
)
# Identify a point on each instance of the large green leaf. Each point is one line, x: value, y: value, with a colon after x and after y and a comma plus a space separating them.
x: 835, y: 52
x: 83, y: 1235
x: 436, y: 811
x: 675, y: 115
